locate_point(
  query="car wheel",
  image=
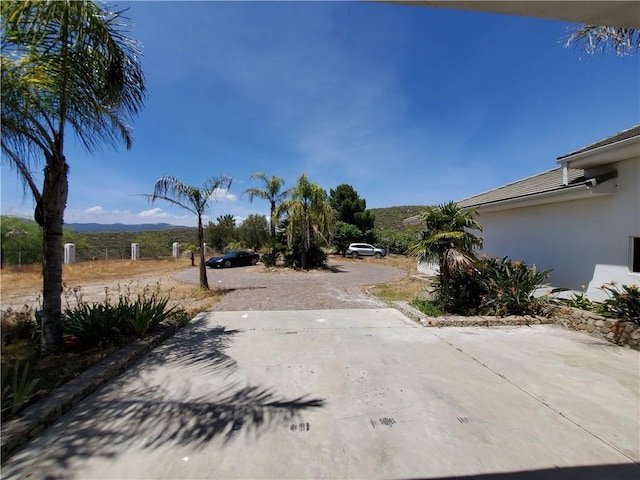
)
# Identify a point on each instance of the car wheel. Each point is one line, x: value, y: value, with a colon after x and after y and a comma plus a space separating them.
x: 354, y: 255
x: 227, y: 264
x: 254, y: 261
x: 378, y: 255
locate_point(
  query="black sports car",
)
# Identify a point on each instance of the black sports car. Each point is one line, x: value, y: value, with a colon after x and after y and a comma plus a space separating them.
x: 233, y: 259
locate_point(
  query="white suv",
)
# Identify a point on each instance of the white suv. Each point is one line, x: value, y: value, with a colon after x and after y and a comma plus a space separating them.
x: 364, y: 249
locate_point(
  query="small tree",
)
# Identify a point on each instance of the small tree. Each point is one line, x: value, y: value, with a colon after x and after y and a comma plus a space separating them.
x: 309, y: 215
x: 447, y: 240
x: 273, y: 192
x: 343, y: 235
x: 254, y: 231
x: 195, y: 200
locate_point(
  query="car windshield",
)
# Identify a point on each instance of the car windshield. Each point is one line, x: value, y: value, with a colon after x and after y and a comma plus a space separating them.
x: 231, y: 254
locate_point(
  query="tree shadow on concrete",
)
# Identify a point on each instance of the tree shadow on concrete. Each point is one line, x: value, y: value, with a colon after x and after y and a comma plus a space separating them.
x: 138, y: 411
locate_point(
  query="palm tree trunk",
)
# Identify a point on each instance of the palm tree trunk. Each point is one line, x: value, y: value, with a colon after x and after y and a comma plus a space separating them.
x: 50, y: 216
x: 204, y: 283
x: 272, y: 226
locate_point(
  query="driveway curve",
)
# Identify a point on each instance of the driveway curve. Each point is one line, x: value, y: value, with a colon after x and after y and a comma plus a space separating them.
x: 339, y: 287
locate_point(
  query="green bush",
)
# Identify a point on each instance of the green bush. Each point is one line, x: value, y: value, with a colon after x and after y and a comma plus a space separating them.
x: 17, y: 388
x: 146, y: 314
x: 105, y: 323
x: 18, y: 324
x: 623, y: 304
x: 94, y: 325
x: 509, y: 287
x: 492, y: 286
x: 316, y: 257
x: 270, y: 257
x: 432, y: 309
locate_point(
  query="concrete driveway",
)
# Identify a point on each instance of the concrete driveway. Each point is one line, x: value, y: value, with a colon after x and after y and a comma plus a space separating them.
x: 360, y: 393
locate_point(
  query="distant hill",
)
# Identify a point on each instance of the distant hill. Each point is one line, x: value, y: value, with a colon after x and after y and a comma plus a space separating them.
x: 391, y: 218
x: 119, y: 227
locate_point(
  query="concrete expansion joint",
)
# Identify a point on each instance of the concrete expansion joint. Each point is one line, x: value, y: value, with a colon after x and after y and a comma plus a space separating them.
x: 537, y: 399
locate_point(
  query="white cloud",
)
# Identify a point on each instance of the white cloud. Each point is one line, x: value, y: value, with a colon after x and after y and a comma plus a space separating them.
x: 94, y: 210
x: 223, y: 195
x: 153, y: 213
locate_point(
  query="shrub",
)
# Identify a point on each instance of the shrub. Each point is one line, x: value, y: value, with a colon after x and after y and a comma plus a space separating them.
x: 147, y: 313
x: 580, y: 300
x: 463, y: 292
x: 509, y: 287
x: 492, y: 286
x: 18, y: 324
x: 315, y: 258
x: 432, y: 309
x: 103, y: 324
x: 94, y: 325
x: 270, y: 258
x: 623, y: 304
x: 17, y: 388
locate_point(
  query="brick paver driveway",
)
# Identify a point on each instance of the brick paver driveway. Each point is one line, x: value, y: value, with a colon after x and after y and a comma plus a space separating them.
x: 255, y: 288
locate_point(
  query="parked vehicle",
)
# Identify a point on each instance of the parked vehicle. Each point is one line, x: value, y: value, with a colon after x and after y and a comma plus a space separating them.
x: 233, y: 259
x: 364, y: 249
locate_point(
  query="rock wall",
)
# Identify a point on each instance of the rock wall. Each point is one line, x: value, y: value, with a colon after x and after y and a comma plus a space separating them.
x: 616, y: 331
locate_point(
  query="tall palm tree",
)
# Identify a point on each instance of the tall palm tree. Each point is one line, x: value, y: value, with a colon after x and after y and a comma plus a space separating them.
x: 273, y: 192
x: 309, y: 214
x: 447, y: 239
x: 66, y: 66
x: 591, y: 38
x: 195, y: 200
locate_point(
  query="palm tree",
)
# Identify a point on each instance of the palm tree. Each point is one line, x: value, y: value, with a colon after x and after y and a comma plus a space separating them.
x: 447, y: 239
x: 66, y: 65
x: 273, y: 193
x: 591, y: 38
x: 309, y: 214
x: 195, y: 200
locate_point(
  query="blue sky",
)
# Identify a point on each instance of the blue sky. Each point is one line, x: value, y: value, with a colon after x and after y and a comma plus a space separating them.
x: 410, y: 106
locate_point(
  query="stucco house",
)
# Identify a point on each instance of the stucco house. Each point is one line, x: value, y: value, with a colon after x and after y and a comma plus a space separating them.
x: 581, y: 219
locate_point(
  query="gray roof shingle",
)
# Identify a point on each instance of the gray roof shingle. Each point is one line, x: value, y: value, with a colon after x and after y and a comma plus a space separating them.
x: 548, y: 181
x: 623, y: 135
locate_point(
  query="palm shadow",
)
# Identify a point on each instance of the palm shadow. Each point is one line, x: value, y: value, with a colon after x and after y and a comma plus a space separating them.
x: 140, y: 411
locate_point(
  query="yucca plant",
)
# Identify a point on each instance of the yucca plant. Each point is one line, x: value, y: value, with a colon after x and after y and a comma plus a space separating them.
x: 17, y: 392
x: 622, y: 303
x: 509, y: 286
x: 146, y: 314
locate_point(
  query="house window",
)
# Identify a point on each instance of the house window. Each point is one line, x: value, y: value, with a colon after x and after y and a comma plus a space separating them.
x: 635, y: 254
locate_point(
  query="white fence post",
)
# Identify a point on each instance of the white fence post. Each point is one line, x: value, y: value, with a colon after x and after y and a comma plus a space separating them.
x: 204, y: 247
x: 69, y: 253
x: 135, y: 251
x: 176, y: 250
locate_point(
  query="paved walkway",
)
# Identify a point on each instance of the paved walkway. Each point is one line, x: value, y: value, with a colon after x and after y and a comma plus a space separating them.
x: 253, y: 288
x: 353, y: 394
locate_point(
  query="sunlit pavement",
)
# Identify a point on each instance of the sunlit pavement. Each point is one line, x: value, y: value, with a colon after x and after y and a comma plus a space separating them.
x: 354, y: 394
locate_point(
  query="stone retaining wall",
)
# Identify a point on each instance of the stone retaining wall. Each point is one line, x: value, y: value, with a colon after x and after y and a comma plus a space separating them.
x: 616, y: 331
x: 472, y: 321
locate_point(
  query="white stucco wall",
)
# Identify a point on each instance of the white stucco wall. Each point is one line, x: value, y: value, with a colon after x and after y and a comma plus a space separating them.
x: 573, y: 238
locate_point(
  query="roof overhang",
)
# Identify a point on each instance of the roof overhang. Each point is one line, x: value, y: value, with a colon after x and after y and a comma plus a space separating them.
x: 610, y: 13
x: 613, y: 152
x: 573, y: 192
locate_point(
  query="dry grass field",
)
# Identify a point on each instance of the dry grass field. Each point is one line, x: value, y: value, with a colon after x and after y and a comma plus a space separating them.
x: 21, y: 286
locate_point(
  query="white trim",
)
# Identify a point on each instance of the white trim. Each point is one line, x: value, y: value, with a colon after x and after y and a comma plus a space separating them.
x: 613, y: 152
x: 565, y: 194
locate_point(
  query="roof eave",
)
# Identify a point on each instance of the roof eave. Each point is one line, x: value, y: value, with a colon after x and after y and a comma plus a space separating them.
x: 611, y: 153
x: 565, y: 194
